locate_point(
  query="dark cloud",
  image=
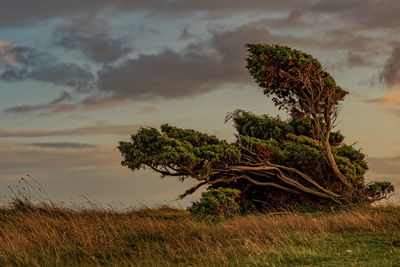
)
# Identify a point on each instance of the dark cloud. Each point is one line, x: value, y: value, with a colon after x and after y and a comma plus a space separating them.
x: 203, y: 66
x: 185, y: 34
x: 65, y: 74
x: 144, y: 29
x: 357, y: 60
x: 298, y: 18
x: 26, y: 12
x: 91, y: 40
x: 345, y: 39
x: 103, y: 129
x: 25, y: 63
x: 65, y: 96
x: 13, y: 75
x: 168, y: 74
x: 391, y: 71
x: 206, y: 65
x: 61, y: 145
x: 365, y: 14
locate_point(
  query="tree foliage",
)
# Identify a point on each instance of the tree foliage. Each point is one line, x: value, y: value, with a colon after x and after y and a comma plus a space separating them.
x: 298, y: 83
x: 217, y: 202
x: 274, y: 163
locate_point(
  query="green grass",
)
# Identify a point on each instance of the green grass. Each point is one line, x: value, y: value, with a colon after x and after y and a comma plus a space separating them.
x: 52, y: 235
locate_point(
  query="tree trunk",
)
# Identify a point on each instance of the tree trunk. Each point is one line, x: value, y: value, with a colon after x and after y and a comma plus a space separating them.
x: 333, y: 164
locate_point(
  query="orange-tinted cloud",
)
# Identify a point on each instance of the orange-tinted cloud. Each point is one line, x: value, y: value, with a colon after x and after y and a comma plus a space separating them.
x: 148, y: 109
x: 55, y: 103
x: 87, y: 104
x: 34, y: 156
x: 390, y: 97
x: 389, y: 101
x: 103, y: 129
x: 5, y: 55
x: 93, y: 172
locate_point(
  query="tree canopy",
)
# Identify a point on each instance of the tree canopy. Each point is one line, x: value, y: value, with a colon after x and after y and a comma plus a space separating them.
x: 274, y: 163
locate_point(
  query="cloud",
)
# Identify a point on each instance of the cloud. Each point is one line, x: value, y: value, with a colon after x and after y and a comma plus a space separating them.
x: 5, y: 55
x: 168, y: 74
x: 23, y: 158
x: 91, y: 38
x: 75, y: 174
x: 390, y: 101
x: 207, y: 65
x: 64, y: 74
x: 148, y: 109
x: 203, y: 66
x: 29, y: 63
x: 297, y: 18
x: 186, y: 34
x: 102, y: 129
x: 357, y: 60
x: 87, y: 104
x: 364, y: 14
x: 391, y: 71
x: 390, y: 97
x: 23, y: 56
x: 25, y: 12
x: 65, y: 96
x: 61, y: 145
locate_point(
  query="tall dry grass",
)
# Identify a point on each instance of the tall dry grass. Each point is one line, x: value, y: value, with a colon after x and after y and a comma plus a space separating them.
x: 52, y: 235
x: 37, y: 233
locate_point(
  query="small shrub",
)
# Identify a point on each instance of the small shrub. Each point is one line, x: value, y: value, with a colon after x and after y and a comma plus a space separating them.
x: 380, y: 190
x: 216, y: 202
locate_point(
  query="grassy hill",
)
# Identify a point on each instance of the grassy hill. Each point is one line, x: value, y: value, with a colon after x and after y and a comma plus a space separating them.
x: 51, y: 235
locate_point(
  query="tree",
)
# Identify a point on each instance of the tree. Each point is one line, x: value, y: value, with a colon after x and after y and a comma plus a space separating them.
x: 274, y: 163
x: 300, y: 85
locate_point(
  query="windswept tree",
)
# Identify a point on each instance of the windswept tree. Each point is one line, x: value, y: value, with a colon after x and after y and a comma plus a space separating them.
x: 274, y: 163
x: 299, y: 84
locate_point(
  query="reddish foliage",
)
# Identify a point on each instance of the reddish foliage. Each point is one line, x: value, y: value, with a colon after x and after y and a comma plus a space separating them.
x: 265, y: 154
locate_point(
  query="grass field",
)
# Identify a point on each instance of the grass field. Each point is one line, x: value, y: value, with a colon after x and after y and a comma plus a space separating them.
x: 50, y: 235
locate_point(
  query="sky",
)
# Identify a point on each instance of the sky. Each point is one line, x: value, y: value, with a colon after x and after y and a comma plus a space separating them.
x: 77, y: 77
